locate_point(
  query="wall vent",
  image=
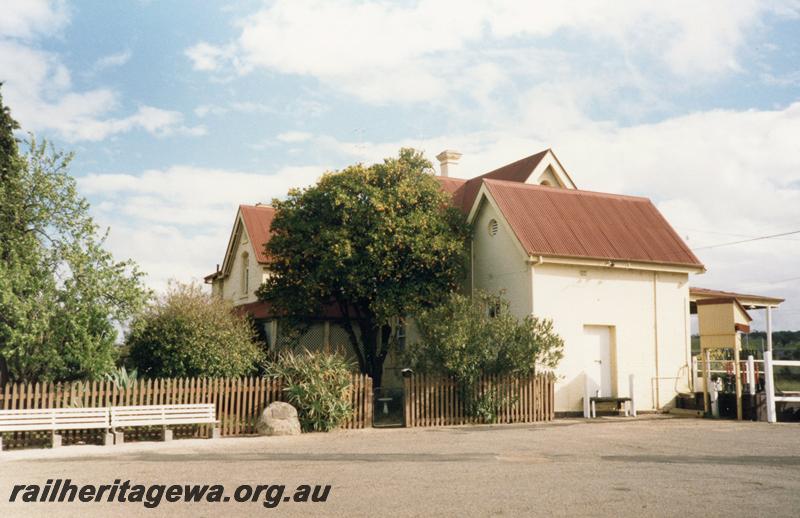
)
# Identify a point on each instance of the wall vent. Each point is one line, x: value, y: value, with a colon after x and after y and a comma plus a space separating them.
x: 493, y: 227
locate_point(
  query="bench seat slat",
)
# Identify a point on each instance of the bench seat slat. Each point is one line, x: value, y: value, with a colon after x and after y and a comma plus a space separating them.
x: 26, y: 428
x: 53, y: 419
x: 163, y: 415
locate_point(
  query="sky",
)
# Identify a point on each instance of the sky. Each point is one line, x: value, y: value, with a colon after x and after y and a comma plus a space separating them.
x: 179, y: 111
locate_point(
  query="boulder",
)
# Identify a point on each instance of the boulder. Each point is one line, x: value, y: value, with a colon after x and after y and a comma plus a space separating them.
x: 279, y: 418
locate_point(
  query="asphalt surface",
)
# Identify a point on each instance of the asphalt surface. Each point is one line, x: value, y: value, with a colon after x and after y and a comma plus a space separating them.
x: 652, y: 466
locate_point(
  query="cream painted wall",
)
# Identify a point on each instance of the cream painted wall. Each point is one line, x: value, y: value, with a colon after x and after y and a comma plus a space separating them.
x: 548, y: 176
x: 231, y: 284
x: 638, y: 305
x: 499, y: 263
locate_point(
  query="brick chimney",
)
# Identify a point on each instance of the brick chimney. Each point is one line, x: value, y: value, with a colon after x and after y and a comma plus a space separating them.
x: 448, y: 160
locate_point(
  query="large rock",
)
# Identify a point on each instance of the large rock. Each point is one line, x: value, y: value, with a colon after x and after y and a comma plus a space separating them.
x: 279, y: 418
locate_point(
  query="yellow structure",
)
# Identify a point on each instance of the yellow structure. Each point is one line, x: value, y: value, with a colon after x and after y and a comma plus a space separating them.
x: 721, y: 322
x: 722, y: 316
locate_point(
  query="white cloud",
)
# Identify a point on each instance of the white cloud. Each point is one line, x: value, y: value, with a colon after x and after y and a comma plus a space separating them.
x: 207, y: 57
x: 38, y: 86
x: 423, y: 51
x: 251, y: 107
x: 113, y: 60
x: 205, y: 110
x: 246, y: 107
x: 28, y: 18
x: 789, y: 79
x: 175, y: 222
x: 40, y: 93
x: 294, y: 136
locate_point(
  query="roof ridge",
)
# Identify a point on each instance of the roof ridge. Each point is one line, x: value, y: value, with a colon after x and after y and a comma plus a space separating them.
x: 257, y: 206
x: 440, y: 177
x: 539, y: 155
x: 566, y: 191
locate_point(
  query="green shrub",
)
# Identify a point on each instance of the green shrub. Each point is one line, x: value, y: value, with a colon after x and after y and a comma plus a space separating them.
x: 192, y: 333
x: 469, y: 337
x: 488, y: 404
x: 318, y: 385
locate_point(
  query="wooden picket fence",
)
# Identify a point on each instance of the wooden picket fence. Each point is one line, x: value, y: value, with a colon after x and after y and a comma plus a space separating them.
x: 239, y: 403
x: 436, y: 401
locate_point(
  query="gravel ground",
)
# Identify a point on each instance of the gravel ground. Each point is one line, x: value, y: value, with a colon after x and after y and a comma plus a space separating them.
x: 650, y: 466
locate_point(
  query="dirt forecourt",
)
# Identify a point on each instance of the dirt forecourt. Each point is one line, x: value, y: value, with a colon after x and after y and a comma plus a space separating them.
x: 650, y: 466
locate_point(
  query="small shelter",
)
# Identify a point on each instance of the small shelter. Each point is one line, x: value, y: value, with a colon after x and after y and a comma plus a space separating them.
x: 722, y: 317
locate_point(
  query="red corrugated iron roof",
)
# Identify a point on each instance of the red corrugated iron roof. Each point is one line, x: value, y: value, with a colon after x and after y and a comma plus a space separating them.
x: 465, y: 191
x: 258, y: 221
x: 518, y: 171
x: 572, y: 223
x: 258, y: 218
x: 454, y: 187
x: 547, y: 220
x: 696, y: 293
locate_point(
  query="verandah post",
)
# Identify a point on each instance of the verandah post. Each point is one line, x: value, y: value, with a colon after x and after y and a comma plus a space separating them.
x: 769, y: 387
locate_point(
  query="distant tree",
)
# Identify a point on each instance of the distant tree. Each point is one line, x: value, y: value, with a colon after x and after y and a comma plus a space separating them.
x: 62, y: 295
x: 192, y: 333
x: 376, y: 242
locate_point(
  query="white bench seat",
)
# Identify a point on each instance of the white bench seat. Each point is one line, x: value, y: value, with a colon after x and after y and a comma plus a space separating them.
x: 162, y: 415
x: 109, y: 419
x: 54, y: 419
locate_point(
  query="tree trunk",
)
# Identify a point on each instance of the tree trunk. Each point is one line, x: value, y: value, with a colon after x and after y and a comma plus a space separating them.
x: 4, y: 374
x: 369, y: 335
x: 372, y: 357
x: 370, y: 351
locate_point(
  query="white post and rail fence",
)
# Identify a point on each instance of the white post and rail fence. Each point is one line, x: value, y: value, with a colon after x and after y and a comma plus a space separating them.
x: 769, y: 384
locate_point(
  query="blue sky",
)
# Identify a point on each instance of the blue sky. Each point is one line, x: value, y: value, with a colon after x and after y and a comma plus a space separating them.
x: 180, y: 110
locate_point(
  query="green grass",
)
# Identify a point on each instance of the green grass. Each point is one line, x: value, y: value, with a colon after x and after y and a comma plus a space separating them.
x: 787, y: 384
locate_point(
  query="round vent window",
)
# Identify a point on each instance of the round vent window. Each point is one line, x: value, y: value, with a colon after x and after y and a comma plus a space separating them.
x: 492, y: 227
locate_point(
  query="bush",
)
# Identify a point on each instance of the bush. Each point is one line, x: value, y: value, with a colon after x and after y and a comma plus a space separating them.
x: 470, y: 337
x: 191, y: 333
x: 318, y: 385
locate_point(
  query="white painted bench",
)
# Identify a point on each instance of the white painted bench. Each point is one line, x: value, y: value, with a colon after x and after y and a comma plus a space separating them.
x: 55, y: 419
x: 164, y: 416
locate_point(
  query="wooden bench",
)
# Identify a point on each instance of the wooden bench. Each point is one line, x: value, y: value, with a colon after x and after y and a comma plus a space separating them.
x: 623, y: 403
x: 163, y: 416
x: 55, y: 419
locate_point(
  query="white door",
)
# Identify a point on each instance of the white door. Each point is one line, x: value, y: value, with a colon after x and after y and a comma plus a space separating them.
x: 597, y: 358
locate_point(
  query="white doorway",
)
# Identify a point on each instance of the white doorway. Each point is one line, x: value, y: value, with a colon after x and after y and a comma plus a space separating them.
x: 597, y: 358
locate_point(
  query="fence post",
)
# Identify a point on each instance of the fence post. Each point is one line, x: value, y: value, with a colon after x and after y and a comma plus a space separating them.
x: 706, y: 378
x: 630, y: 392
x: 406, y: 401
x: 751, y: 375
x: 769, y: 387
x: 714, y: 395
x: 370, y: 404
x: 586, y: 395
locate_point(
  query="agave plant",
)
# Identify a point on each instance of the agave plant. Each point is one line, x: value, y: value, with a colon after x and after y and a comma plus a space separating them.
x: 122, y: 378
x: 77, y: 391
